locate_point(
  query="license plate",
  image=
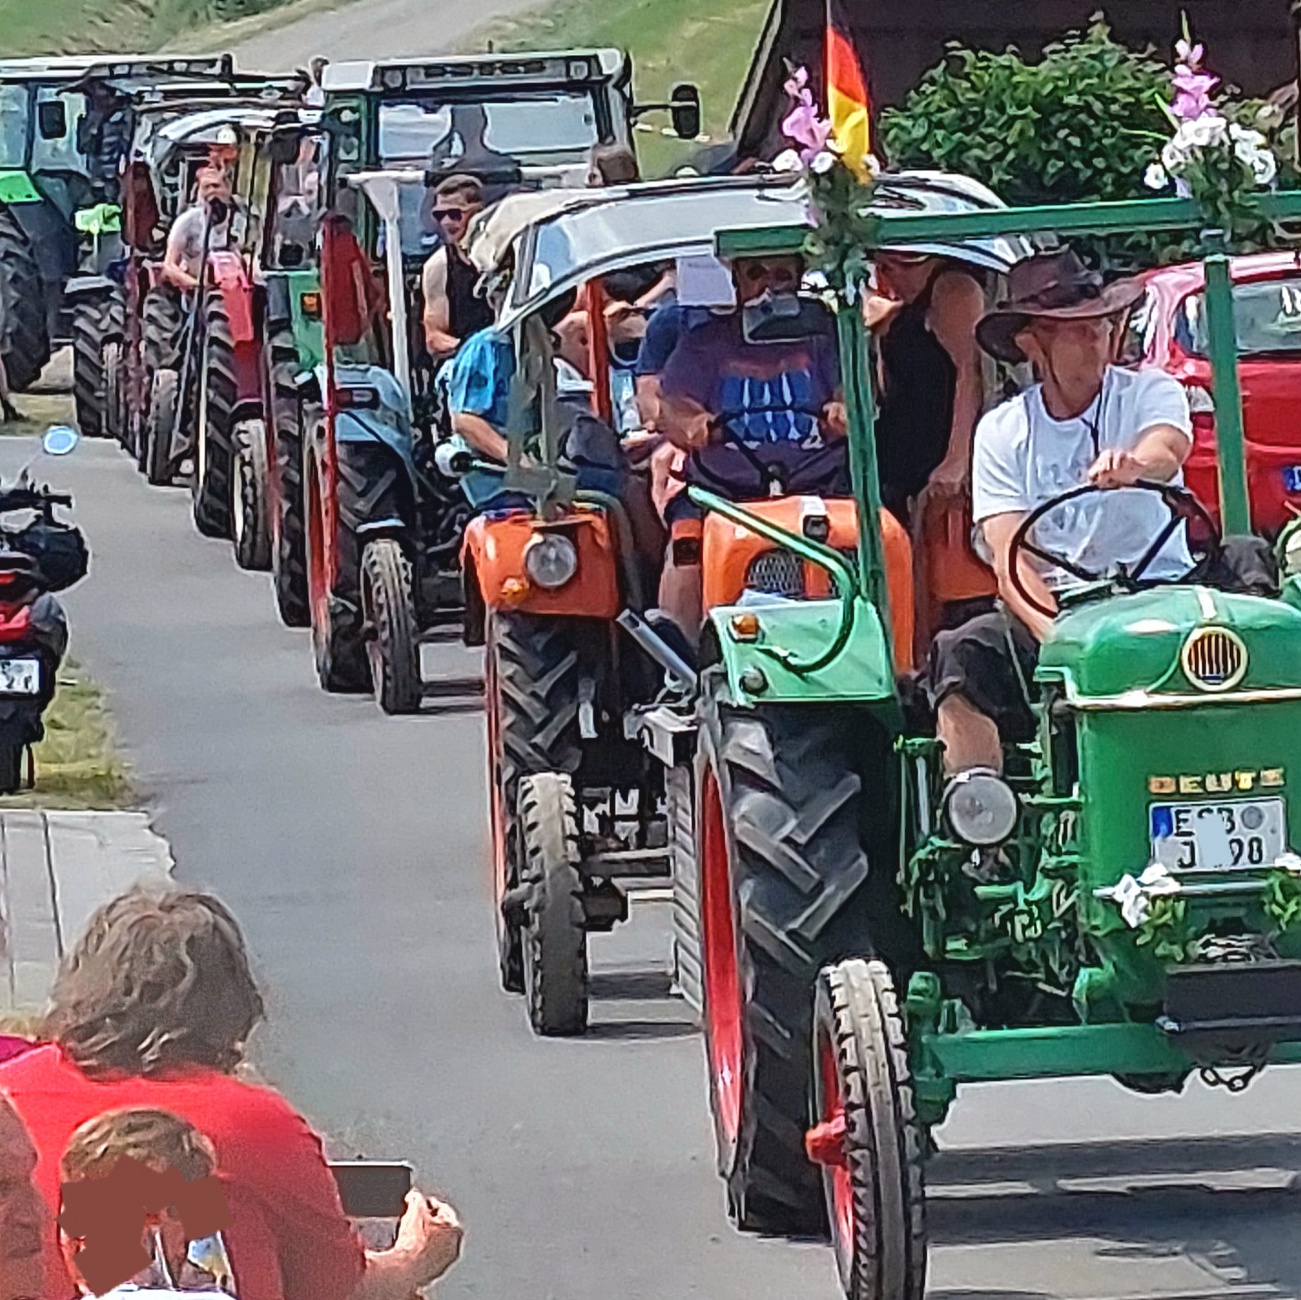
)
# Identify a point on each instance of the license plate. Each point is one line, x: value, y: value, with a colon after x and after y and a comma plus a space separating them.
x: 1219, y: 836
x: 20, y: 676
x: 1292, y: 478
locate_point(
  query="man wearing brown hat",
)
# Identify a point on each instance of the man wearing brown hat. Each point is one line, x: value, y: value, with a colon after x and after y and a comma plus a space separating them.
x: 1085, y: 421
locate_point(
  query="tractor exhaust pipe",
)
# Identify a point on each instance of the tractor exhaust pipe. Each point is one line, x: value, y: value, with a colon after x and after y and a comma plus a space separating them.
x: 659, y: 649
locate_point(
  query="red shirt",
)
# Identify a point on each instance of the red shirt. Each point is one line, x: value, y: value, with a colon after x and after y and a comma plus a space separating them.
x: 289, y: 1239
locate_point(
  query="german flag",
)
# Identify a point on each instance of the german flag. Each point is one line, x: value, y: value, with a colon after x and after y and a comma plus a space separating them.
x: 848, y: 106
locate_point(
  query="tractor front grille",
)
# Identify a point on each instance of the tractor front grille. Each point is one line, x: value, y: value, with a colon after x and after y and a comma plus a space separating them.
x: 781, y: 573
x: 1214, y: 658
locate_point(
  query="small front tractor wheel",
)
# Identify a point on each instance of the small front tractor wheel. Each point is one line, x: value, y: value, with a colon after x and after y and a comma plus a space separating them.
x: 250, y: 522
x: 341, y: 666
x: 531, y: 685
x: 555, y: 937
x: 11, y: 766
x: 868, y: 1140
x: 91, y: 322
x: 388, y: 605
x: 289, y: 548
x: 156, y: 437
x: 213, y: 443
x: 782, y: 876
x: 114, y: 378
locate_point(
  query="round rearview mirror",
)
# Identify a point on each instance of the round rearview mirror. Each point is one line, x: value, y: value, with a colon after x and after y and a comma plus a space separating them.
x: 60, y: 440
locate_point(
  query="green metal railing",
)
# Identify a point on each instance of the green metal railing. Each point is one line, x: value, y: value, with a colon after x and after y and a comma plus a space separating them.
x: 884, y: 229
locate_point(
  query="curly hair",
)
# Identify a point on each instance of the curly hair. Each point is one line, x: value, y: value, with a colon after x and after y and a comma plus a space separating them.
x: 158, y: 979
x: 155, y: 1138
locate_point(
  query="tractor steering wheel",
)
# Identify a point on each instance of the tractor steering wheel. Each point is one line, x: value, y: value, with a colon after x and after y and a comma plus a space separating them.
x: 772, y: 479
x: 1184, y: 507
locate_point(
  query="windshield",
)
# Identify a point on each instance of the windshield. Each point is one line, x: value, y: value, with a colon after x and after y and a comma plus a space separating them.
x: 539, y: 129
x: 1268, y: 316
x: 60, y: 154
x: 13, y: 127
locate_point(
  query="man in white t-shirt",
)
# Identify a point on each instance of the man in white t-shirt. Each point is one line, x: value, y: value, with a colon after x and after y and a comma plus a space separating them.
x: 1086, y: 421
x: 183, y: 262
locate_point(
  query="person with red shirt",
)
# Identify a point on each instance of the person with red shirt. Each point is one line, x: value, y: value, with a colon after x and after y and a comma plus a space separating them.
x: 152, y: 1008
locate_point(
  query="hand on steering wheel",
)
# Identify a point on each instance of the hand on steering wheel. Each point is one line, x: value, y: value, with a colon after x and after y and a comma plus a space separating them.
x: 1183, y: 506
x: 772, y: 479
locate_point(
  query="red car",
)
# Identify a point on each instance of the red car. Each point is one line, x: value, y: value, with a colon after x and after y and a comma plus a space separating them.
x: 1170, y: 332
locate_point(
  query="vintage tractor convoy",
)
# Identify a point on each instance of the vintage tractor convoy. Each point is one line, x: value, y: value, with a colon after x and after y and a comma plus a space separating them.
x: 558, y: 583
x: 857, y: 962
x: 365, y: 547
x: 58, y: 221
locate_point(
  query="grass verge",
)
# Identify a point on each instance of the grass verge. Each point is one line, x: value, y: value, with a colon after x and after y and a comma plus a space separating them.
x: 670, y: 41
x: 77, y: 764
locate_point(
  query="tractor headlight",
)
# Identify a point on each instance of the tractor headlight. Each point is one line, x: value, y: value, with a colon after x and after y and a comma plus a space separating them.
x: 981, y: 807
x: 551, y: 559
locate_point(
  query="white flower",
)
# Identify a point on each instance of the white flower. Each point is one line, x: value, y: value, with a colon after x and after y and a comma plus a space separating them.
x: 1264, y: 168
x: 823, y: 162
x: 1175, y: 156
x: 1204, y: 131
x: 1155, y: 177
x: 788, y: 161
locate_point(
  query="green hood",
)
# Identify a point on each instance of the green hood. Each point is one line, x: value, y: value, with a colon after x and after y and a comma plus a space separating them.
x: 1108, y: 648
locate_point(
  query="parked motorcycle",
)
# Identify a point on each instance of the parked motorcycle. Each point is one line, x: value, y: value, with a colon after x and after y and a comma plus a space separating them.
x: 40, y: 554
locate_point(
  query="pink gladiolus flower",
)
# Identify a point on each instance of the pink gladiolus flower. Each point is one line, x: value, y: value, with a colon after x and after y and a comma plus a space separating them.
x: 797, y: 84
x: 1188, y: 54
x: 1193, y: 93
x: 811, y: 132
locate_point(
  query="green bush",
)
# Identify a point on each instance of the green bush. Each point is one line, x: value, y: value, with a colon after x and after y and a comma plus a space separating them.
x: 1082, y: 123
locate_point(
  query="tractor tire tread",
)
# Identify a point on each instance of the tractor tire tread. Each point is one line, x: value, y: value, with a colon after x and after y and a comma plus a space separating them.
x: 389, y: 602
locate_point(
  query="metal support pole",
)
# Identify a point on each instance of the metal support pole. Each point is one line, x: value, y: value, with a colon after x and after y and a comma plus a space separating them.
x: 1235, y: 505
x: 855, y: 363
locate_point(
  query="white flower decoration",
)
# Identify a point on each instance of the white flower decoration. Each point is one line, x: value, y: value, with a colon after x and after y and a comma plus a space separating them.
x: 1156, y: 178
x: 788, y: 161
x: 823, y: 162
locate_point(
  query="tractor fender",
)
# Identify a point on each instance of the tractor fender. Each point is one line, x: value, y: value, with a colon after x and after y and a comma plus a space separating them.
x: 88, y: 286
x: 493, y: 552
x: 232, y: 282
x: 862, y: 673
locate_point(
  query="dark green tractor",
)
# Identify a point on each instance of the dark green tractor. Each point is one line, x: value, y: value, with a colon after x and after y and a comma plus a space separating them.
x: 859, y: 958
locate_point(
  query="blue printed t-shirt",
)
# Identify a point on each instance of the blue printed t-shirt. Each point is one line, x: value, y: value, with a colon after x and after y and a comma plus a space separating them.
x: 767, y: 387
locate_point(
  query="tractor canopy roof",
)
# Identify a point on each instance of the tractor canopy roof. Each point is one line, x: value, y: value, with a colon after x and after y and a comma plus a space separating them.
x: 478, y: 72
x: 585, y: 234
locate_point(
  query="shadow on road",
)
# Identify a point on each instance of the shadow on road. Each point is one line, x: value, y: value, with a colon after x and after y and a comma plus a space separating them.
x: 1232, y: 1205
x: 661, y: 1016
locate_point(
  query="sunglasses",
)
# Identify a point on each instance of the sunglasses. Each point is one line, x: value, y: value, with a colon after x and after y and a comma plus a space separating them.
x: 446, y: 214
x: 777, y: 272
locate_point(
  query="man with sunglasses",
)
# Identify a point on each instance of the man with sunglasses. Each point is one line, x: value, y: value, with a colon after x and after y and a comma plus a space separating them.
x: 453, y: 311
x: 758, y: 385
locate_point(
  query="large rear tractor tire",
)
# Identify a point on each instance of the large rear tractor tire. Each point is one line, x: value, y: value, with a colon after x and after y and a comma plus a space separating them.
x: 24, y: 334
x: 388, y: 606
x: 531, y: 674
x: 337, y: 646
x: 91, y: 322
x: 782, y: 875
x: 873, y: 1147
x: 156, y: 436
x: 555, y: 937
x: 214, y: 438
x: 289, y: 547
x: 162, y: 329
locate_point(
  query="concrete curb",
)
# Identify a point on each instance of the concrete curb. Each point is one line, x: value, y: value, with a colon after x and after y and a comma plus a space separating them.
x: 56, y: 868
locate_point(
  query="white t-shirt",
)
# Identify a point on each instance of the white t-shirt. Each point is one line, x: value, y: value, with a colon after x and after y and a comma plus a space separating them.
x: 1023, y: 457
x: 186, y: 237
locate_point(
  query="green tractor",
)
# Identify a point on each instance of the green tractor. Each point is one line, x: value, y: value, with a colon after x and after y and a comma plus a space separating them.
x: 59, y: 219
x: 856, y: 964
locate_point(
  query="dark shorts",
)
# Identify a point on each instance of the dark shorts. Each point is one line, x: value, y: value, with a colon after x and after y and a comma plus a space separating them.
x: 990, y: 661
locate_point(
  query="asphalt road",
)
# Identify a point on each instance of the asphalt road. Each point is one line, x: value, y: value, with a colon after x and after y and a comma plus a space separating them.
x: 371, y: 29
x: 353, y: 849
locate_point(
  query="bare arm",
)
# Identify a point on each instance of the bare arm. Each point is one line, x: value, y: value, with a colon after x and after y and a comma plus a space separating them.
x: 956, y: 306
x: 481, y: 436
x: 685, y: 423
x: 439, y: 339
x: 428, y: 1244
x: 998, y: 532
x: 173, y: 269
x: 1158, y: 455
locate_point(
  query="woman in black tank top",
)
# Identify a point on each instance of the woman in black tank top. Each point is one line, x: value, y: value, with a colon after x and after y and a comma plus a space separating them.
x: 467, y: 312
x: 931, y: 376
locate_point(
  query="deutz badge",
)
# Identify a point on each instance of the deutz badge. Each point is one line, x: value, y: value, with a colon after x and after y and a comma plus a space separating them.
x: 1237, y: 782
